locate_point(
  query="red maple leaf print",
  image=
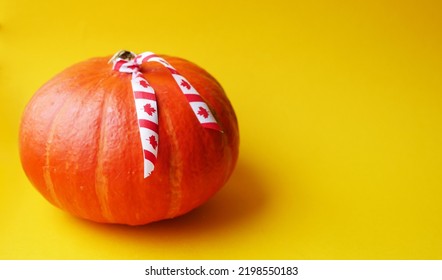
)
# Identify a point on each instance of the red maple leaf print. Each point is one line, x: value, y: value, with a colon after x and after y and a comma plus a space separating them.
x: 203, y: 112
x: 133, y: 67
x: 185, y: 84
x: 144, y: 84
x: 149, y: 109
x: 153, y: 141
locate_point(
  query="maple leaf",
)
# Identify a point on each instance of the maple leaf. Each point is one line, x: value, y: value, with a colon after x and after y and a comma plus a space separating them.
x: 153, y: 141
x: 149, y: 109
x: 144, y: 84
x: 185, y: 84
x: 203, y: 112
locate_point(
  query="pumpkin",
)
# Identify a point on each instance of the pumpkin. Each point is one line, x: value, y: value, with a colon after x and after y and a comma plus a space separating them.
x: 80, y: 146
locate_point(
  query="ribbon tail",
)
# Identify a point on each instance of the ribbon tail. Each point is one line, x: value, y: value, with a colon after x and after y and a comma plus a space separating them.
x: 196, y: 102
x: 147, y: 116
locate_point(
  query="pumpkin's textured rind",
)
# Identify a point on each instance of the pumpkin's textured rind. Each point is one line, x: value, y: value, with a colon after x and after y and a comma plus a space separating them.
x: 80, y: 145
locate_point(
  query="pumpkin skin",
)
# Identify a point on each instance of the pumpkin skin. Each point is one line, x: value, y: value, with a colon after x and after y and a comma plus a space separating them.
x: 80, y: 147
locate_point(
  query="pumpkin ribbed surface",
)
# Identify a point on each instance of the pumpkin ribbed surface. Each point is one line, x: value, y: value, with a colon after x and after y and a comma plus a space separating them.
x: 80, y: 145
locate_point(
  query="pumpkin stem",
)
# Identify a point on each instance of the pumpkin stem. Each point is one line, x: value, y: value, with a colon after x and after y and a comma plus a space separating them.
x: 123, y: 54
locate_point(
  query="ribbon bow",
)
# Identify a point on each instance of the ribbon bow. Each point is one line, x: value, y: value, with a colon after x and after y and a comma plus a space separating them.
x: 146, y: 104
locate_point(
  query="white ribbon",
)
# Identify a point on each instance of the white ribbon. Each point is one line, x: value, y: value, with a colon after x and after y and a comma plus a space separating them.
x: 146, y: 103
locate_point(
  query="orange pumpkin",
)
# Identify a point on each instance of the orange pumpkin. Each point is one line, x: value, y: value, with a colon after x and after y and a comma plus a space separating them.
x: 80, y: 145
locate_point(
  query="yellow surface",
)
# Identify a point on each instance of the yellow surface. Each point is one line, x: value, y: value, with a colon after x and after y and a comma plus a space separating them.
x: 340, y: 112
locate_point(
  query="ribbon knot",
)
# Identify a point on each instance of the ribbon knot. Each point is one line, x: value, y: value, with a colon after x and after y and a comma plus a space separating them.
x: 146, y: 103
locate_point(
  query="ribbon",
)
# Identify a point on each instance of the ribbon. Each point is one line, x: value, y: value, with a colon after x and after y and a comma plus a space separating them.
x: 146, y: 103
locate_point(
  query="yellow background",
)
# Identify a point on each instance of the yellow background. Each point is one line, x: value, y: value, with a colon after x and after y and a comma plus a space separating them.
x: 340, y: 112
